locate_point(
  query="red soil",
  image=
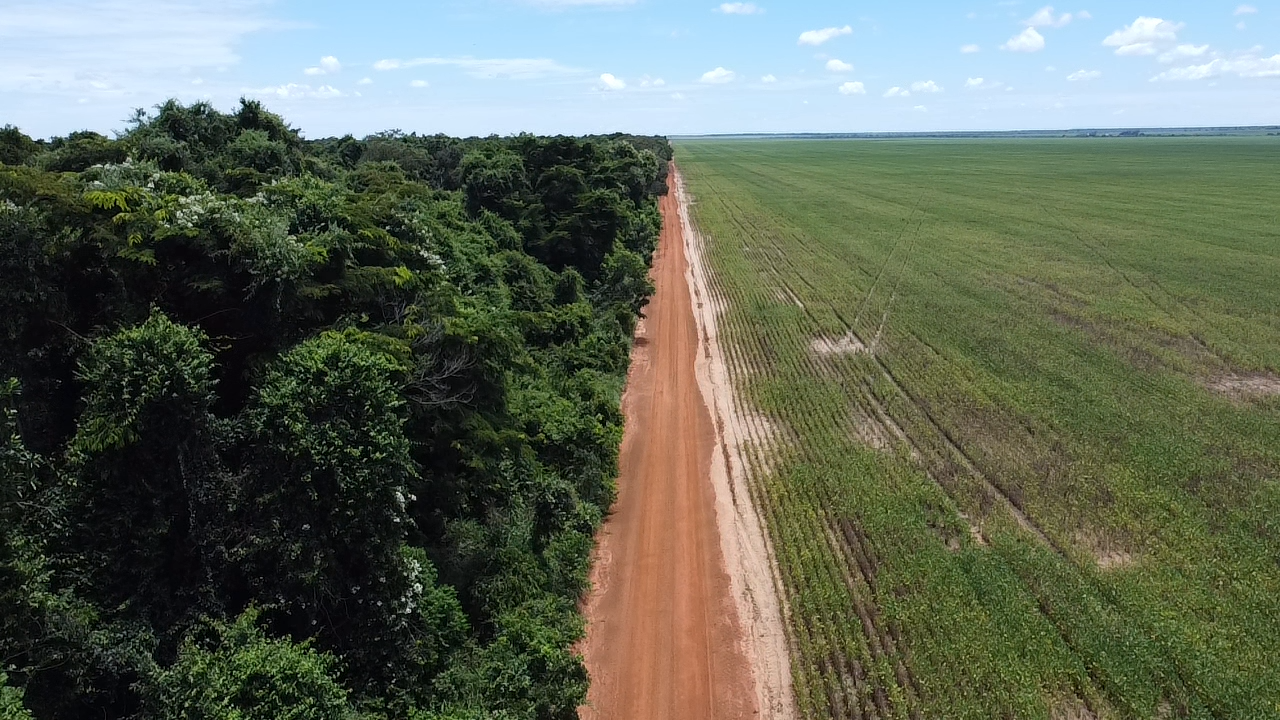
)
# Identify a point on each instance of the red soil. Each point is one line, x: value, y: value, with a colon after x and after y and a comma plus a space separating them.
x: 663, y: 639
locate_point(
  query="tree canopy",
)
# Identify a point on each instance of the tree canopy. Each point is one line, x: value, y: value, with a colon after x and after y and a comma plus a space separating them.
x: 309, y: 429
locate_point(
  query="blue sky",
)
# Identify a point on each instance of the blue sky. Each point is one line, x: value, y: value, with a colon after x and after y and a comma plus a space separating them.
x: 652, y: 66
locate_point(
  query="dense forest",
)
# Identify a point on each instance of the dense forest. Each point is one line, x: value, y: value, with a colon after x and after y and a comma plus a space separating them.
x: 309, y: 429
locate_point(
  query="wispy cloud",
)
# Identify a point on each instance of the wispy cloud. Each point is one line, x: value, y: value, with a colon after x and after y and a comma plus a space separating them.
x: 1245, y: 66
x: 982, y: 84
x: 1246, y: 10
x: 1182, y: 52
x: 569, y: 4
x: 1045, y: 17
x: 1083, y: 75
x: 487, y: 68
x: 124, y: 47
x: 970, y: 49
x: 740, y: 8
x: 819, y: 37
x: 853, y: 88
x: 295, y: 91
x: 838, y: 66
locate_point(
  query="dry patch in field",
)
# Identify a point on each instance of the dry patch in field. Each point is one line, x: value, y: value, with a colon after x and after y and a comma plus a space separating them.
x: 975, y: 531
x: 850, y: 344
x: 870, y: 431
x: 1073, y: 709
x: 1108, y: 553
x: 1251, y: 386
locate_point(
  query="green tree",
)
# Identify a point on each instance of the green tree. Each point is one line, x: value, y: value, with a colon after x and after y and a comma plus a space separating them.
x: 147, y: 473
x: 326, y: 501
x: 228, y: 671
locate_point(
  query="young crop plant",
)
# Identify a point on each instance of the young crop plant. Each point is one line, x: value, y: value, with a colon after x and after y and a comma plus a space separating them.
x: 1017, y: 412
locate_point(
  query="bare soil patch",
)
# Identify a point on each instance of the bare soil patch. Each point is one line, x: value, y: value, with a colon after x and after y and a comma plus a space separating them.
x: 850, y: 344
x: 1107, y: 552
x: 1251, y: 386
x: 1073, y: 709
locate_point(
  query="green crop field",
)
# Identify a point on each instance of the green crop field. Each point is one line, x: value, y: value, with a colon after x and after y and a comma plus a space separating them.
x: 1023, y: 417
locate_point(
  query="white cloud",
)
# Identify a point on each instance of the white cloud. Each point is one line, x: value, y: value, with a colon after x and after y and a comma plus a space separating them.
x: 1084, y: 15
x: 609, y: 82
x: 142, y: 47
x: 1184, y: 51
x: 897, y: 92
x: 328, y: 65
x: 853, y: 88
x: 295, y: 91
x: 677, y: 96
x: 1245, y: 66
x: 970, y: 49
x: 1082, y: 75
x: 419, y: 84
x: 740, y: 8
x: 1045, y: 17
x: 1241, y: 25
x: 818, y: 37
x: 1137, y: 49
x: 1142, y: 37
x: 982, y: 84
x: 1028, y: 41
x: 719, y: 76
x: 769, y: 79
x: 650, y: 82
x: 1246, y: 10
x: 365, y: 81
x: 925, y: 86
x: 838, y: 66
x: 921, y: 108
x: 487, y: 68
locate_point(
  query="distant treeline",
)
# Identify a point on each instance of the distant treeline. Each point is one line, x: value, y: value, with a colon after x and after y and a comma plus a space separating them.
x: 302, y: 429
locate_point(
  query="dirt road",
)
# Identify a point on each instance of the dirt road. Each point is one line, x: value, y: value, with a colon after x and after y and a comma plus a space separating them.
x: 663, y: 639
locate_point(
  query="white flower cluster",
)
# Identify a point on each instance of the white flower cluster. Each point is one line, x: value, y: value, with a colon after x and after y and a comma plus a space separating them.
x: 432, y: 259
x: 7, y: 206
x: 128, y: 174
x: 192, y: 209
x: 409, y: 601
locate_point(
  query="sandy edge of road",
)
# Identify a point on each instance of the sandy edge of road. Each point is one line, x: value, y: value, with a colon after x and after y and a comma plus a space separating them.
x: 748, y: 553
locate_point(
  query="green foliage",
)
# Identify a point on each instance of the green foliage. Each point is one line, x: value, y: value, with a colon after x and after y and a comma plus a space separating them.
x: 15, y: 147
x: 233, y: 670
x: 11, y: 707
x: 146, y: 471
x: 79, y: 152
x: 301, y: 429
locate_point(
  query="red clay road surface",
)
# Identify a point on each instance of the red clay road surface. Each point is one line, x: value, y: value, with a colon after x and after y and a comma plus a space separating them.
x: 663, y: 638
